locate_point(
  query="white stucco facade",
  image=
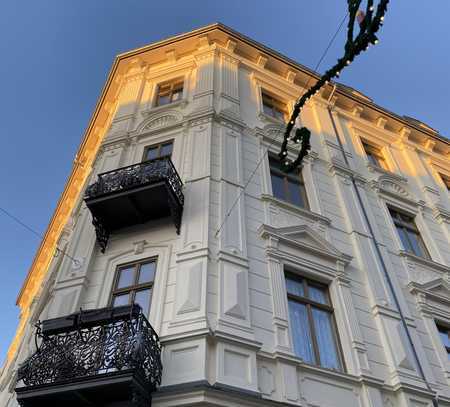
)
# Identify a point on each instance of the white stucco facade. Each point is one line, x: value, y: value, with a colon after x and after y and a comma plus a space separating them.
x: 219, y: 301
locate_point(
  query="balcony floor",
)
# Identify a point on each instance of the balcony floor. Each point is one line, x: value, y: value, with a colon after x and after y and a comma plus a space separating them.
x: 130, y: 207
x: 109, y: 389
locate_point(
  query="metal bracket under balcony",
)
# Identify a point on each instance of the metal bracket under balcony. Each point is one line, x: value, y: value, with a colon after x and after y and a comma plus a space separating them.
x: 108, y: 356
x: 135, y: 194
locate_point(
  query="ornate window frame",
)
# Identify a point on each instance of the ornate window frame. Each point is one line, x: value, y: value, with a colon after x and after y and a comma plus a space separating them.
x: 310, y: 214
x: 394, y: 193
x: 433, y: 304
x: 286, y: 93
x: 155, y: 79
x: 302, y: 251
x: 140, y: 250
x: 377, y: 138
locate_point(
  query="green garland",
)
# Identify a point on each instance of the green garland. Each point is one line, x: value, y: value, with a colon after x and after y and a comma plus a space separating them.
x: 368, y: 26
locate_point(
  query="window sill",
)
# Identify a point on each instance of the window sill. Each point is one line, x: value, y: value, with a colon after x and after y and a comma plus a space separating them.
x: 155, y: 109
x: 265, y: 117
x: 323, y: 371
x: 378, y: 170
x: 297, y: 210
x: 422, y: 261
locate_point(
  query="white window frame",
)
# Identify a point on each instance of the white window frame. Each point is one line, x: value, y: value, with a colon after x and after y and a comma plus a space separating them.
x: 322, y: 263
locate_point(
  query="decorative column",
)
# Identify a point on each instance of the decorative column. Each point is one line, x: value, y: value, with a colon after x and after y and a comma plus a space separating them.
x: 205, y: 60
x: 234, y: 298
x: 229, y: 86
x: 190, y: 308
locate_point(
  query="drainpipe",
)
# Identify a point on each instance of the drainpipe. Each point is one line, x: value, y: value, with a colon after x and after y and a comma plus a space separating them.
x: 379, y: 255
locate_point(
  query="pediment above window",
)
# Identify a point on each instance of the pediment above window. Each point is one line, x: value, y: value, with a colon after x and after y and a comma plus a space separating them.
x: 290, y: 240
x: 433, y: 297
x: 438, y: 288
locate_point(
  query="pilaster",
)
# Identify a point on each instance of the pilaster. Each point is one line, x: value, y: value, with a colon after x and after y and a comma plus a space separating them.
x: 205, y: 61
x: 229, y: 86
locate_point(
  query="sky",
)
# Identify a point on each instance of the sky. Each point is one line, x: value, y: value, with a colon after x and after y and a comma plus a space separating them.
x: 56, y: 54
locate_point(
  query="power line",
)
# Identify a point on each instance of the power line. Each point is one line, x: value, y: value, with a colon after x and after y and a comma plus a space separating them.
x: 263, y: 155
x: 39, y: 235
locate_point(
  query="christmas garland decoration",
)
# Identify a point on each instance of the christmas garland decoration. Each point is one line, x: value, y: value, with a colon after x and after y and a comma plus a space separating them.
x: 369, y: 23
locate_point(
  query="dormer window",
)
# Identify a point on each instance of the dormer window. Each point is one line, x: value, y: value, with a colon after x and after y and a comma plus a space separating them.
x: 169, y: 92
x: 375, y: 156
x: 274, y: 107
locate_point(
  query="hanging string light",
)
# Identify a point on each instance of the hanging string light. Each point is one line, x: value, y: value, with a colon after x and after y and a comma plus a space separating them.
x: 368, y: 24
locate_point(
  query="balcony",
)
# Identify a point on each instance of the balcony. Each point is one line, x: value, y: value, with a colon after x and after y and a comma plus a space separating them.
x: 135, y: 194
x: 107, y: 357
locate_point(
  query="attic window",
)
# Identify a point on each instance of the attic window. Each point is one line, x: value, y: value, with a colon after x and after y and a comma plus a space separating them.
x: 274, y: 107
x: 169, y: 92
x: 375, y: 156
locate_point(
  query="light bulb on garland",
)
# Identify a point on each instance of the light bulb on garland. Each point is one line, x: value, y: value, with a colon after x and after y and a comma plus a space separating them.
x: 369, y: 24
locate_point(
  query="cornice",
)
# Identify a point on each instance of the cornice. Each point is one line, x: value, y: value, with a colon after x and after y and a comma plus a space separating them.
x: 433, y: 265
x: 441, y: 214
x: 315, y: 217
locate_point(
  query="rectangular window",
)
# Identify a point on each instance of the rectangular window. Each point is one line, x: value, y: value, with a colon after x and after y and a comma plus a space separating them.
x: 409, y: 234
x: 158, y: 150
x: 444, y: 333
x: 287, y: 187
x: 375, y: 156
x: 274, y: 107
x: 133, y: 283
x: 312, y: 323
x: 169, y: 92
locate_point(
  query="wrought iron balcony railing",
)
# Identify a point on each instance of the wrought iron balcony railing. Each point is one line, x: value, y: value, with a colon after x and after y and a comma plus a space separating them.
x: 135, y: 194
x: 114, y: 349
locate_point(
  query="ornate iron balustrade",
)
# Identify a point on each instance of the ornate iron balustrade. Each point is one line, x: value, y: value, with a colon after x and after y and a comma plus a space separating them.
x: 135, y: 179
x: 94, y: 343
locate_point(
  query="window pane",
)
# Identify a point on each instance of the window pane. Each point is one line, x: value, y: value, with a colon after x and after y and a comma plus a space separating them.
x: 278, y: 114
x: 415, y: 244
x: 301, y: 334
x: 147, y: 272
x: 318, y: 294
x: 166, y: 149
x: 278, y: 186
x: 121, y: 299
x: 176, y: 95
x: 444, y: 337
x: 274, y: 163
x: 295, y: 287
x: 143, y: 298
x: 372, y: 159
x: 325, y: 339
x: 152, y: 153
x: 404, y: 239
x: 295, y: 195
x: 268, y: 109
x: 163, y: 100
x: 126, y: 277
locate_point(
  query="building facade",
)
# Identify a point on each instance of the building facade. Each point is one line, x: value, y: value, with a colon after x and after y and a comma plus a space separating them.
x: 324, y: 287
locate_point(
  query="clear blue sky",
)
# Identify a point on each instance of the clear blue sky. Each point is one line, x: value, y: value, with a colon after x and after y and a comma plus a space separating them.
x: 55, y: 56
